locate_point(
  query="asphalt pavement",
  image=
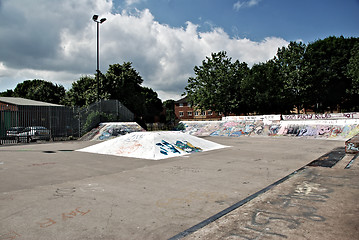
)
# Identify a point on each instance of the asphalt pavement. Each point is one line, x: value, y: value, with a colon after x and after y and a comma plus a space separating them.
x: 50, y: 191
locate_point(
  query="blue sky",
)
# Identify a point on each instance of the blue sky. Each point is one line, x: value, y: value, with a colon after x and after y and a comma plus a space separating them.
x: 164, y: 39
x: 307, y: 20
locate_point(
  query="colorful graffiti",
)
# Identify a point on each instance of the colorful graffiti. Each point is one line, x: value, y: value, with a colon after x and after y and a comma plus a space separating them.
x: 352, y: 145
x: 166, y: 147
x: 187, y: 147
x: 153, y: 145
x: 232, y: 129
x: 331, y: 129
x: 111, y: 130
x: 320, y: 131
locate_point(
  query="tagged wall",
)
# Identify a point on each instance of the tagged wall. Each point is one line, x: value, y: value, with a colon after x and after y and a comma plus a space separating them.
x: 326, y: 116
x: 329, y: 126
x: 113, y: 129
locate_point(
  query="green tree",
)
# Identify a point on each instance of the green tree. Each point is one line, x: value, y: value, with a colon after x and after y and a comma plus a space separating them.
x: 7, y: 93
x: 327, y: 62
x: 40, y: 90
x: 82, y: 92
x: 123, y: 82
x: 120, y: 82
x: 153, y: 105
x: 293, y: 69
x: 353, y: 67
x: 170, y: 116
x: 217, y: 84
x: 353, y: 74
x: 263, y: 89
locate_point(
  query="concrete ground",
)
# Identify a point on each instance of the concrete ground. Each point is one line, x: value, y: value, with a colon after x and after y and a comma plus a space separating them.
x: 315, y: 203
x: 49, y: 191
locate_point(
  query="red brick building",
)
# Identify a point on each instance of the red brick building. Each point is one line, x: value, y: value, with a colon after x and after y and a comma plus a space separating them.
x: 184, y: 111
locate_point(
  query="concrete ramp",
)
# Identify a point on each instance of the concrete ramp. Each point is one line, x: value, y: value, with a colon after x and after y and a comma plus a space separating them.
x: 153, y: 145
x: 109, y: 130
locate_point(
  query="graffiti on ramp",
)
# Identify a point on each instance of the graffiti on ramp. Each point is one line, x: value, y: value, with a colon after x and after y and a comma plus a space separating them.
x: 153, y: 145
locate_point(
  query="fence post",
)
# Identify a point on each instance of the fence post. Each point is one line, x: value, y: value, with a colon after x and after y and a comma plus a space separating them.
x: 50, y: 118
x: 117, y: 110
x: 79, y: 112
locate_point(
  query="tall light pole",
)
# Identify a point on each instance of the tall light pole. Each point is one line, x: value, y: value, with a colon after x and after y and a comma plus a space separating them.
x: 95, y: 17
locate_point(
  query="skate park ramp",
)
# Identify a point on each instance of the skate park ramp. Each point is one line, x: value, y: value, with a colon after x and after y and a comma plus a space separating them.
x: 153, y: 145
x: 110, y: 130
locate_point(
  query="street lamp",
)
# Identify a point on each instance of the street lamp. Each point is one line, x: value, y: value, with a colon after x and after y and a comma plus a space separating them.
x: 95, y: 17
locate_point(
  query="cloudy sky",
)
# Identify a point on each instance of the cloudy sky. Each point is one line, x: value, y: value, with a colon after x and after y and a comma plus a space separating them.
x: 164, y: 39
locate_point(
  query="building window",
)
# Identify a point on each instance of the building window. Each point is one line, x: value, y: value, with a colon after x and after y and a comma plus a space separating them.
x: 196, y: 113
x: 189, y: 113
x: 181, y: 114
x: 181, y: 104
x: 189, y: 105
x: 210, y: 112
x: 203, y: 113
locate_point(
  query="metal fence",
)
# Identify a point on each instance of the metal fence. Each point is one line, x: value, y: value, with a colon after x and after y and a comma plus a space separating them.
x: 62, y: 122
x: 102, y: 111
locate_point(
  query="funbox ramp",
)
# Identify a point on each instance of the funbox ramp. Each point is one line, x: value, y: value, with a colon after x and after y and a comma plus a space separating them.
x: 153, y: 145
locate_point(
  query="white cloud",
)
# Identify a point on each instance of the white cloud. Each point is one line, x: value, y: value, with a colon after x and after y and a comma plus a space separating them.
x: 252, y: 3
x: 132, y: 2
x: 237, y: 5
x: 66, y: 48
x: 247, y: 3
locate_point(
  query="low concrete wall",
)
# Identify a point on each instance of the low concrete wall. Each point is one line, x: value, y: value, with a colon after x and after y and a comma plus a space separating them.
x: 339, y: 126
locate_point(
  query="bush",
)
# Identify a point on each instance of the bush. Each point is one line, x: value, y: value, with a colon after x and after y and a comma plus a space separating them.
x: 180, y: 127
x: 95, y: 117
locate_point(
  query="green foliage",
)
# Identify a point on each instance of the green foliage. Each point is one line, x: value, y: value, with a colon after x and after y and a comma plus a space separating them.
x: 153, y: 105
x: 180, y: 127
x: 96, y: 117
x: 92, y: 120
x: 169, y: 106
x: 82, y: 93
x: 217, y: 84
x: 263, y: 90
x: 39, y: 90
x: 327, y: 62
x: 7, y: 93
x: 353, y: 68
x: 292, y: 71
x: 322, y: 76
x: 353, y: 74
x: 120, y: 82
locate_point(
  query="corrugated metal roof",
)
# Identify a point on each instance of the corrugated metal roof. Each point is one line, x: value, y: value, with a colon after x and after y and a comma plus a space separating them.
x: 26, y: 102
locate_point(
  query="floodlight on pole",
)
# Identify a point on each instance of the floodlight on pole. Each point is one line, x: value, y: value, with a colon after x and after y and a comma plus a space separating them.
x: 94, y: 18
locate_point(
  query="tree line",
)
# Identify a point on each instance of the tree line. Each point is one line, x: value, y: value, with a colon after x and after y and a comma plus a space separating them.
x: 121, y: 82
x: 322, y: 76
